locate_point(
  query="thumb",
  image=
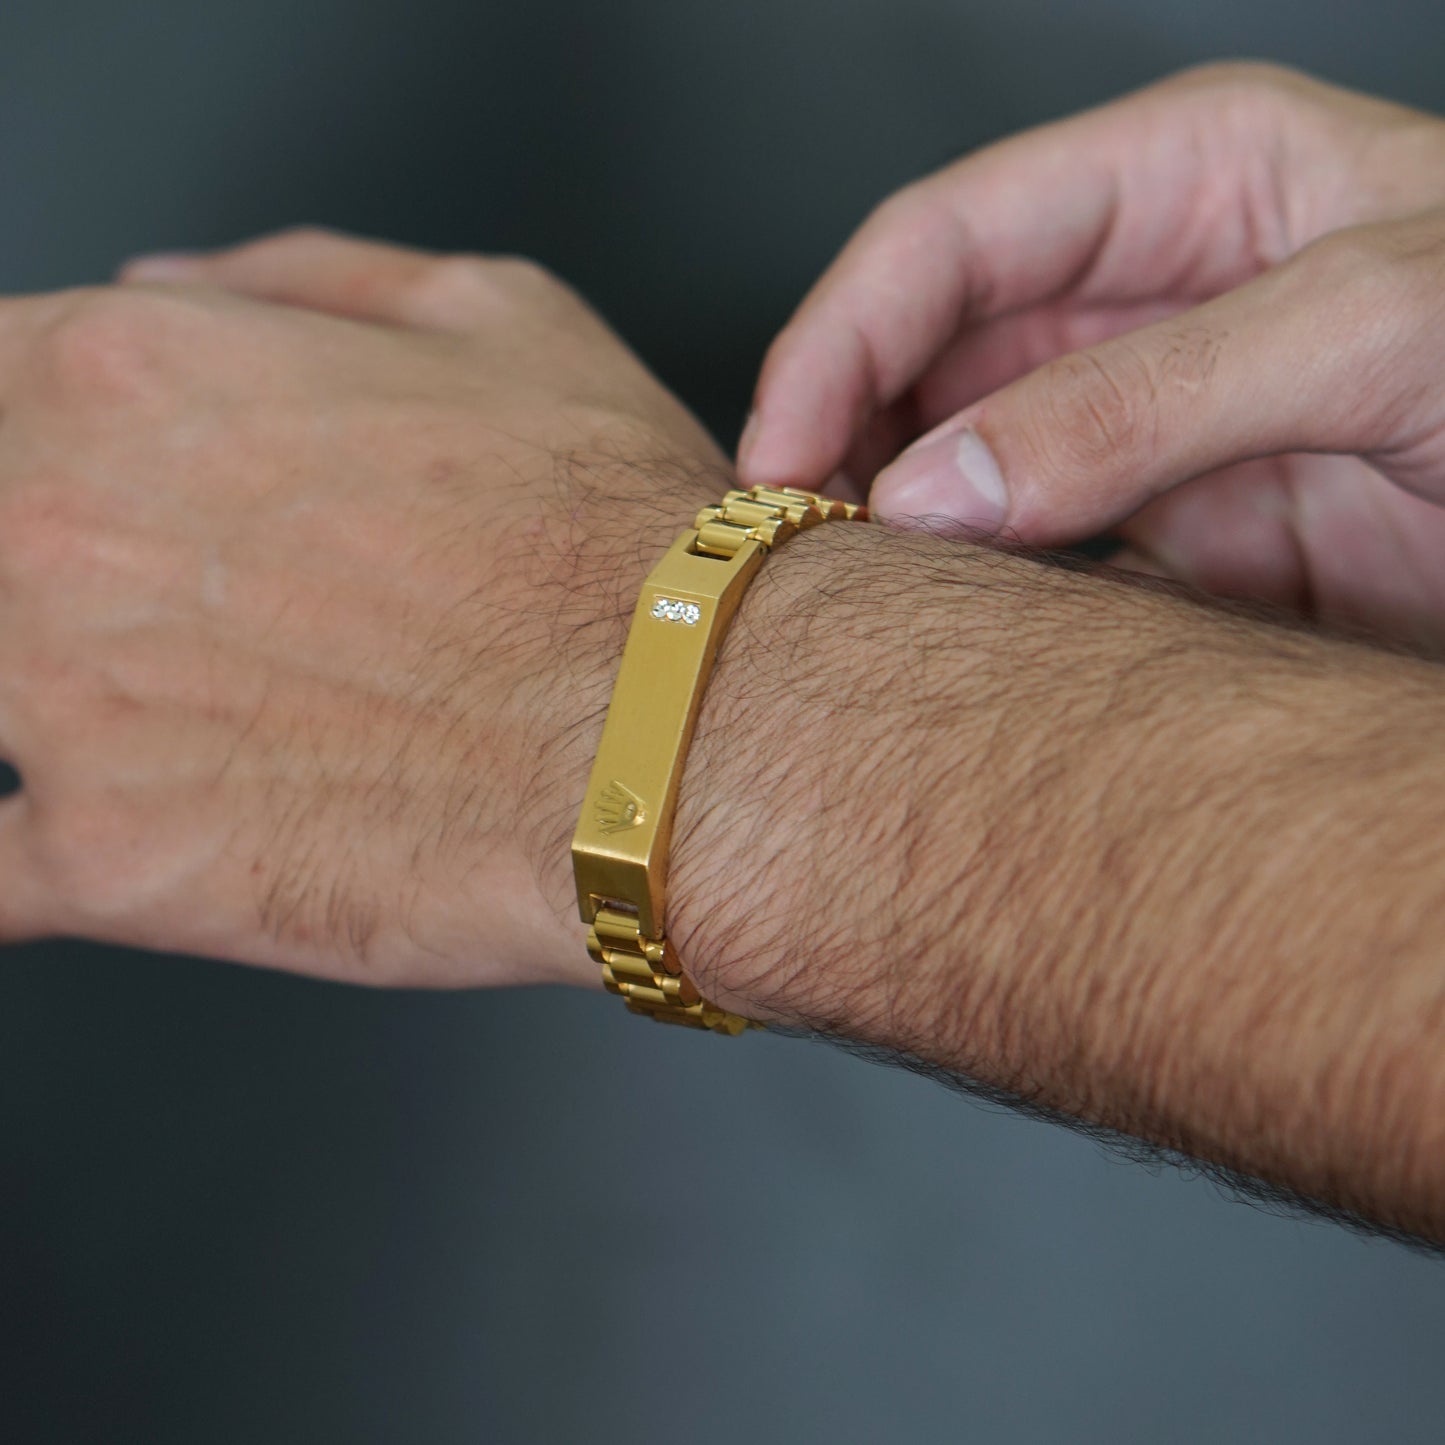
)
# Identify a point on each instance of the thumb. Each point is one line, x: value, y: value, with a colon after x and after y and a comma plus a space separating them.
x: 1327, y: 353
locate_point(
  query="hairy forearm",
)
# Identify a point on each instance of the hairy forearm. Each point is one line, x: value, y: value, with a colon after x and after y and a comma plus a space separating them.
x: 1166, y: 869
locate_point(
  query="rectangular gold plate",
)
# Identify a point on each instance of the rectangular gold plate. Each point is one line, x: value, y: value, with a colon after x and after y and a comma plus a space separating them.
x: 620, y: 849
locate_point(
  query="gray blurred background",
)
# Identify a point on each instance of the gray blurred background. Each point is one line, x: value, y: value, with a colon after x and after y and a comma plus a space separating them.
x: 240, y: 1207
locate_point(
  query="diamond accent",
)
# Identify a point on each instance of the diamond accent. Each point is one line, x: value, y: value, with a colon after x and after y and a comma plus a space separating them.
x: 668, y: 609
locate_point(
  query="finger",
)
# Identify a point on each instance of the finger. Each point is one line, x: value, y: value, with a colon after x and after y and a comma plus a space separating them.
x: 982, y: 360
x: 1325, y: 536
x: 1234, y: 532
x: 1324, y: 354
x: 309, y: 266
x: 1180, y: 191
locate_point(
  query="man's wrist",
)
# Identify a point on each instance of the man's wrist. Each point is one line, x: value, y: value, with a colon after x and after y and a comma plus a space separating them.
x: 1087, y: 842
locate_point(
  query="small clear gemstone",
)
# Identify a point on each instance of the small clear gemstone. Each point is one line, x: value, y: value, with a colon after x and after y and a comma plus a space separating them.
x: 669, y: 609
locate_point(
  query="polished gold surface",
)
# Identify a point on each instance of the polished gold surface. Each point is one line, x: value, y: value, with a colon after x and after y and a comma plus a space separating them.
x: 620, y: 849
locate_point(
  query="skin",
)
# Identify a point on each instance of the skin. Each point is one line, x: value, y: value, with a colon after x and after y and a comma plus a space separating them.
x: 1160, y: 867
x: 317, y: 558
x: 1198, y: 316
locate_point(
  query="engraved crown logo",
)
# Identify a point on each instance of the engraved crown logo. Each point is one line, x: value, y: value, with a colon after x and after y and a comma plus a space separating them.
x: 619, y: 808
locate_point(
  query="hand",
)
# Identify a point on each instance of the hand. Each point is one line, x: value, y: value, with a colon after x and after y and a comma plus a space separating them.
x: 1208, y: 315
x: 309, y: 621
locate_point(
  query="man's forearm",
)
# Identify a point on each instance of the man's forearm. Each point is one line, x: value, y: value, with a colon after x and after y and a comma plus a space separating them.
x: 1169, y: 870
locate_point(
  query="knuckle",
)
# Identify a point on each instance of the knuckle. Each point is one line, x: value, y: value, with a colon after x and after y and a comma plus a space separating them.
x: 1246, y: 102
x: 521, y: 274
x: 105, y: 345
x: 439, y: 289
x: 298, y: 237
x: 1241, y: 78
x: 1383, y: 290
x: 1377, y: 269
x: 288, y: 240
x: 913, y: 222
x: 901, y: 208
x: 1342, y: 256
x: 466, y: 285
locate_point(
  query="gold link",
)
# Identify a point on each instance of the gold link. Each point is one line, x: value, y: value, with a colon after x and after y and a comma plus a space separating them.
x: 722, y: 539
x: 679, y: 988
x: 641, y: 994
x: 749, y: 514
x: 773, y: 496
x: 774, y: 531
x: 796, y: 506
x: 629, y: 965
x: 688, y: 1018
x: 722, y: 1022
x: 614, y: 927
x: 803, y: 516
x: 730, y: 496
x: 725, y: 536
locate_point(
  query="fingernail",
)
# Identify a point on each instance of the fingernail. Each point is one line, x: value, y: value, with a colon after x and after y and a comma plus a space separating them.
x: 954, y: 477
x: 161, y: 266
x: 748, y: 437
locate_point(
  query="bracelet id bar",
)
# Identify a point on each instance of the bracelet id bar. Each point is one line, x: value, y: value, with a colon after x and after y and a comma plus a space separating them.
x: 620, y: 849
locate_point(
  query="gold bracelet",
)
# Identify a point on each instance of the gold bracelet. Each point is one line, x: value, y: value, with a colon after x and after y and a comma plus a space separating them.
x: 620, y: 849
